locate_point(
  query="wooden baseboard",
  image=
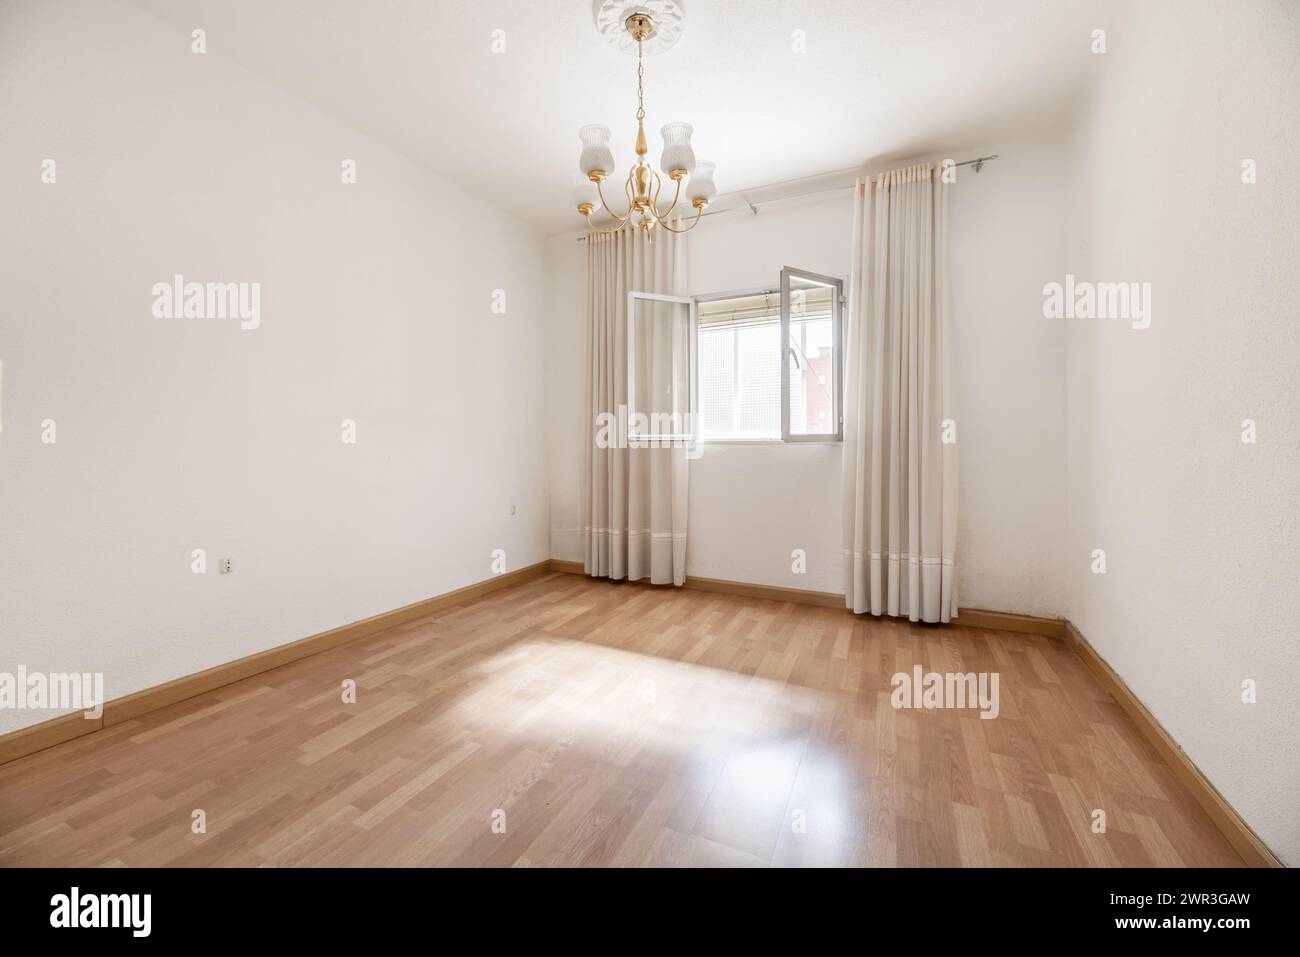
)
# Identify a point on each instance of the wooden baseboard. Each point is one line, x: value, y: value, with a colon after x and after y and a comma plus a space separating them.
x: 47, y: 734
x: 967, y: 618
x: 38, y: 737
x: 1008, y: 621
x: 1225, y: 817
x: 800, y: 596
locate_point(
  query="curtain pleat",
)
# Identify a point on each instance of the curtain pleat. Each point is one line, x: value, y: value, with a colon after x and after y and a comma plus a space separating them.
x: 899, y: 488
x: 634, y: 500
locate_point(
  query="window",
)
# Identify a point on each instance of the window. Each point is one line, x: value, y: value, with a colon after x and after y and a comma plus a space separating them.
x: 750, y: 387
x: 661, y: 367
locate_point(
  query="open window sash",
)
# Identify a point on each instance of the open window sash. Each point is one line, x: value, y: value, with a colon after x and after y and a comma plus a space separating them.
x: 662, y: 378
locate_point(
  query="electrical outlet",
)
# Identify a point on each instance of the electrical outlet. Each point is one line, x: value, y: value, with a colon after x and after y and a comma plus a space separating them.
x: 226, y: 567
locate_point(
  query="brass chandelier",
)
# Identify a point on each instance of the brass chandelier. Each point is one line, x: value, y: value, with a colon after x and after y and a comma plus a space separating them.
x: 644, y: 185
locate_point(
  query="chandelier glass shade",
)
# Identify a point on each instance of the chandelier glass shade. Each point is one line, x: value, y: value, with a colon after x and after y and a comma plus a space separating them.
x: 677, y: 148
x: 645, y: 207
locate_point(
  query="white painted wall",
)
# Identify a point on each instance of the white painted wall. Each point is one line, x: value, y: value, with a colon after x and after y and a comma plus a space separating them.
x: 1004, y: 236
x: 564, y: 322
x: 175, y: 434
x: 750, y: 505
x: 1201, y: 531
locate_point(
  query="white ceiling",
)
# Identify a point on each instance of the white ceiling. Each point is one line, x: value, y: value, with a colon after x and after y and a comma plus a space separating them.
x: 881, y: 79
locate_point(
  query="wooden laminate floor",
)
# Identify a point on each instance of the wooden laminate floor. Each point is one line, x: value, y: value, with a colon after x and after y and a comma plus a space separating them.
x: 574, y: 722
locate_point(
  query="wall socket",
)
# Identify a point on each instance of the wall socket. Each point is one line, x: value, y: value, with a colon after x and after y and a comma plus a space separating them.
x: 225, y: 566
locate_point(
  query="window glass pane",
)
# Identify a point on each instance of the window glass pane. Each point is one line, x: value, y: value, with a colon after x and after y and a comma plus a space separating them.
x: 717, y: 381
x: 659, y: 366
x: 740, y: 367
x: 811, y: 355
x: 759, y: 402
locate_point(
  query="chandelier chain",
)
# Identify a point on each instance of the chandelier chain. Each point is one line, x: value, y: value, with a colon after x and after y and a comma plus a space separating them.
x: 640, y: 82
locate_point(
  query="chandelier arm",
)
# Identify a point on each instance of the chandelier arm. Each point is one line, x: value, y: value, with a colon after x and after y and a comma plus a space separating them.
x: 621, y: 219
x: 677, y: 194
x: 654, y: 200
x: 699, y: 211
x: 597, y: 231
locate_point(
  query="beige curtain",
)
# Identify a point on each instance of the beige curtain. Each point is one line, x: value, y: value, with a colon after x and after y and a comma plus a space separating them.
x: 900, y: 451
x: 633, y: 499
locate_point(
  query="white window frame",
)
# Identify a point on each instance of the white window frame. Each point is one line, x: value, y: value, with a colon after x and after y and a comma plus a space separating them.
x: 837, y: 326
x: 692, y: 347
x: 837, y: 394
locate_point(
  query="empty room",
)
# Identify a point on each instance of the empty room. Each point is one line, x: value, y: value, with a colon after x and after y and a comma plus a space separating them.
x: 673, y: 435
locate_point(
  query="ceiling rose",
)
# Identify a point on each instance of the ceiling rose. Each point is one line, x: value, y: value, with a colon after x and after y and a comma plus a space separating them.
x: 669, y: 18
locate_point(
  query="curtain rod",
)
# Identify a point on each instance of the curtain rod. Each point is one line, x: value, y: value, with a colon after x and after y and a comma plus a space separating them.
x: 978, y: 163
